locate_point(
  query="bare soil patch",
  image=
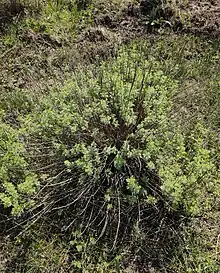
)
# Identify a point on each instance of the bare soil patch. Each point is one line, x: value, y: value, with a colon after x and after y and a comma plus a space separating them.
x: 194, y: 16
x: 204, y: 16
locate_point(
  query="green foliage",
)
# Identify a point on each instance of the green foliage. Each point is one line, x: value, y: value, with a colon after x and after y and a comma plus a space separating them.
x: 193, y: 171
x: 59, y: 19
x: 200, y: 247
x: 109, y: 153
x: 54, y: 21
x: 107, y: 119
x: 17, y: 102
x: 101, y: 141
x: 133, y: 186
x: 194, y: 63
x: 47, y: 256
x: 16, y: 181
x: 110, y: 147
x: 10, y: 39
x: 120, y: 112
x: 89, y: 258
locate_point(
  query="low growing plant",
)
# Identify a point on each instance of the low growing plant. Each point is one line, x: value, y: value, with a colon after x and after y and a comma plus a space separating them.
x: 111, y: 161
x: 17, y: 182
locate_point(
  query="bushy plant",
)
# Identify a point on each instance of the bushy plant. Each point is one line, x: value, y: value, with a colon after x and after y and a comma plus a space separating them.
x: 17, y: 182
x: 111, y: 161
x: 110, y: 151
x: 193, y: 172
x: 99, y: 141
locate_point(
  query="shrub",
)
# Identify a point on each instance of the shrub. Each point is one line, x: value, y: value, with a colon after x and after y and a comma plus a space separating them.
x: 99, y: 141
x: 16, y: 180
x: 106, y: 141
x: 111, y: 162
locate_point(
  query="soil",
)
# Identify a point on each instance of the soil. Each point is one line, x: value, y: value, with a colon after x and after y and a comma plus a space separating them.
x: 204, y: 16
x: 195, y: 16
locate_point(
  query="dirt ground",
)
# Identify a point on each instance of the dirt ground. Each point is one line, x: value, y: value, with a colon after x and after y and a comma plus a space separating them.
x: 186, y: 16
x: 204, y: 15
